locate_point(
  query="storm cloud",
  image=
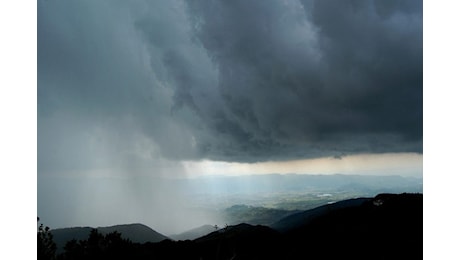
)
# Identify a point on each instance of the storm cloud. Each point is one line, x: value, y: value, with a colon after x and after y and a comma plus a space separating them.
x: 143, y: 84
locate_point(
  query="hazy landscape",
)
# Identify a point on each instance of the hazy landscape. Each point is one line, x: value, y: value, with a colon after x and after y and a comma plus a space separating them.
x: 384, y: 226
x: 218, y: 200
x: 284, y: 203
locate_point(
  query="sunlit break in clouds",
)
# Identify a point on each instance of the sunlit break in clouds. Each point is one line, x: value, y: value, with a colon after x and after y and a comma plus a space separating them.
x: 404, y: 164
x: 144, y: 91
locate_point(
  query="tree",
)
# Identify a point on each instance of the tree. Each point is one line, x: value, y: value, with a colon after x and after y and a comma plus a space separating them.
x: 98, y: 246
x: 46, y: 248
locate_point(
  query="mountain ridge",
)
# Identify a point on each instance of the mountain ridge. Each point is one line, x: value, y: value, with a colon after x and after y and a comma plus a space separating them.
x: 136, y: 232
x: 194, y: 233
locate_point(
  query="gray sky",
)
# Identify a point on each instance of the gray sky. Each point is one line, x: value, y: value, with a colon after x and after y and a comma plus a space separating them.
x: 148, y: 88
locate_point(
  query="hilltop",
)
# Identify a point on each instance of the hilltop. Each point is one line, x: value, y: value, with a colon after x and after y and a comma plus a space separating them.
x: 137, y: 233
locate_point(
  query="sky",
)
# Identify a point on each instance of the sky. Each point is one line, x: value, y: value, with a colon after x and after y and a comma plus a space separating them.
x: 147, y: 90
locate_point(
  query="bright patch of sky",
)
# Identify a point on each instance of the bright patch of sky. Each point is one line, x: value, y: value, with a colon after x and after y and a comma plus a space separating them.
x: 404, y: 164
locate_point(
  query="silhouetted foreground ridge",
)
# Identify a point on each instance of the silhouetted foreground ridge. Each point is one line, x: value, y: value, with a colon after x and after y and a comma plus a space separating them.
x: 389, y: 226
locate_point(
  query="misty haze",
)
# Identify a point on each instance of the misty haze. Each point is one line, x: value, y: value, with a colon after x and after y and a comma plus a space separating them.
x: 176, y: 129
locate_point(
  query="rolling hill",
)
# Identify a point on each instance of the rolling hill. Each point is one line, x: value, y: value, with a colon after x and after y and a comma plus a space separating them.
x: 303, y: 218
x: 137, y: 233
x: 194, y: 233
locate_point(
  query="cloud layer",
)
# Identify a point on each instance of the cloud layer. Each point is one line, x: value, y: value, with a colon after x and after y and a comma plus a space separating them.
x: 140, y: 84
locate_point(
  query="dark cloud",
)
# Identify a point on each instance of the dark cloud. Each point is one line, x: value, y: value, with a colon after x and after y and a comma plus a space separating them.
x: 307, y: 79
x: 226, y: 80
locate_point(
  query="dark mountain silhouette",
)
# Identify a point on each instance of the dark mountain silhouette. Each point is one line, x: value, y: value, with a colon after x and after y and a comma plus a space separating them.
x: 194, y: 233
x: 242, y: 241
x: 62, y: 235
x: 303, y: 218
x: 388, y: 226
x: 236, y: 231
x: 137, y: 233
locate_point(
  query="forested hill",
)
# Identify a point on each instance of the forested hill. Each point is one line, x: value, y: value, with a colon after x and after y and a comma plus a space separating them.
x: 137, y: 233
